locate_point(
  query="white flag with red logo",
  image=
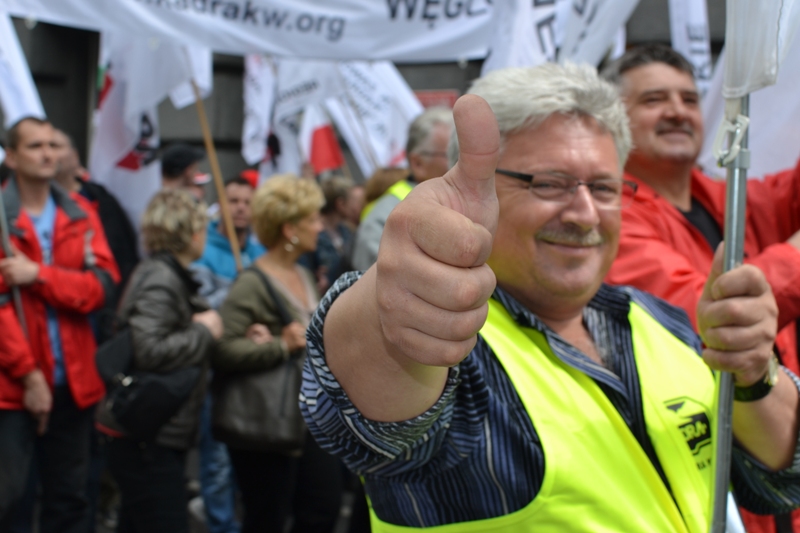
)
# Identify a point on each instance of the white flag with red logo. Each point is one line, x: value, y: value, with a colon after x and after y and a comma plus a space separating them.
x: 318, y: 141
x: 138, y: 75
x: 18, y: 95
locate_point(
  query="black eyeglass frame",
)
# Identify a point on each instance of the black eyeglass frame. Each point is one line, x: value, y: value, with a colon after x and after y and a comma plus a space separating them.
x: 528, y: 178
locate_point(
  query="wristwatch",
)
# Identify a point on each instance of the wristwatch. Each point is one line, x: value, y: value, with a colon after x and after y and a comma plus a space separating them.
x: 760, y: 388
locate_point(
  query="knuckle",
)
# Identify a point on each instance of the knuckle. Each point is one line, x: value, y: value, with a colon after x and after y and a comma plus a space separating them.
x: 453, y: 353
x: 467, y: 294
x: 468, y: 247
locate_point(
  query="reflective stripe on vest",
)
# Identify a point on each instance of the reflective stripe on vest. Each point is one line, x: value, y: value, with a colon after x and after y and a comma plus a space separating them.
x: 597, y: 477
x: 399, y: 190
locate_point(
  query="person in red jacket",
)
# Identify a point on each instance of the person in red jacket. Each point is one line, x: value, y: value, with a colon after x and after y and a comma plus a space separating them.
x: 64, y: 268
x: 670, y: 232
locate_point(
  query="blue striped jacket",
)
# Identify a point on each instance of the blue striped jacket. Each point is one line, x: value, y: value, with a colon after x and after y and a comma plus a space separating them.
x: 478, y: 441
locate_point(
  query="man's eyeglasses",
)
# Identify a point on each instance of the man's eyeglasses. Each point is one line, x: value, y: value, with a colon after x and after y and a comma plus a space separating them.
x: 607, y: 193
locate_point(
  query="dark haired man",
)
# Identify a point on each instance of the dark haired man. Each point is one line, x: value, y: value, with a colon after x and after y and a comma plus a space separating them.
x: 64, y: 269
x: 670, y: 232
x: 216, y: 271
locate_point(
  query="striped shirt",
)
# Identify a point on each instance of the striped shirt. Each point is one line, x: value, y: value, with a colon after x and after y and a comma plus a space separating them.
x: 478, y: 442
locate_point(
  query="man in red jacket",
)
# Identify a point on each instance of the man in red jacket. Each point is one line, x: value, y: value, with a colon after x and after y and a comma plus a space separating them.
x: 669, y: 234
x: 48, y: 379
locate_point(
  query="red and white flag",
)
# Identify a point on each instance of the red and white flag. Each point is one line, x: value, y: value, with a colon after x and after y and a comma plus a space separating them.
x: 318, y: 141
x: 18, y: 95
x: 138, y: 75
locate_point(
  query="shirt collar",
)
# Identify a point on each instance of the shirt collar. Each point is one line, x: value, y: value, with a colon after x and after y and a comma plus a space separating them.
x: 609, y: 299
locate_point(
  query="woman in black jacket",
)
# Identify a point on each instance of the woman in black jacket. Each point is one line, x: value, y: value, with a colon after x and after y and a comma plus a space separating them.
x: 171, y: 328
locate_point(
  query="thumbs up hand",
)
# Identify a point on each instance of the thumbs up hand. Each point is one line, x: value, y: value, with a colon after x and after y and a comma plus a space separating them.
x: 390, y: 337
x: 432, y: 281
x: 738, y: 319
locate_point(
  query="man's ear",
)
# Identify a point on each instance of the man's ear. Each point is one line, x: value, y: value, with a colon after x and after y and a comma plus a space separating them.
x: 11, y: 159
x: 414, y: 163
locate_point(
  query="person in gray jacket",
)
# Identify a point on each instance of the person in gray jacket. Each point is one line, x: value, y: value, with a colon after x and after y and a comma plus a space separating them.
x: 171, y: 328
x: 426, y: 151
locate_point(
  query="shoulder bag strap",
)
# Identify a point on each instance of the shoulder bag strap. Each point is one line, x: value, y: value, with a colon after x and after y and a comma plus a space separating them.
x: 286, y: 317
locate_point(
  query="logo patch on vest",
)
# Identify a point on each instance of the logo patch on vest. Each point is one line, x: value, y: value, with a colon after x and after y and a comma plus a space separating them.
x: 693, y: 423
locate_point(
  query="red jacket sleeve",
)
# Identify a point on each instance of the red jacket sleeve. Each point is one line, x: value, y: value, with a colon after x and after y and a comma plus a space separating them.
x: 773, y: 216
x: 82, y: 291
x: 16, y: 358
x: 648, y: 262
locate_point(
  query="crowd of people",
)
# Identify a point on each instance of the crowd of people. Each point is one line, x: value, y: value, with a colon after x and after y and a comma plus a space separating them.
x: 522, y: 344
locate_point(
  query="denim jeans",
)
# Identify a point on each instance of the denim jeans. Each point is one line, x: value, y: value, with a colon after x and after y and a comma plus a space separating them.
x: 217, y: 484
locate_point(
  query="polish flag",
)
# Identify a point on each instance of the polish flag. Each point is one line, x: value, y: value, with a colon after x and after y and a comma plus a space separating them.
x: 318, y: 141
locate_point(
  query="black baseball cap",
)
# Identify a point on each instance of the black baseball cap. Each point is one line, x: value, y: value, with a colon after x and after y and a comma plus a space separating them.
x: 177, y: 157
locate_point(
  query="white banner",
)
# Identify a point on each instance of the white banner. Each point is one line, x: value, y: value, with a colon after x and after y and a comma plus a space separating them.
x: 757, y: 37
x: 400, y: 30
x: 774, y: 115
x: 688, y: 21
x: 18, y: 95
x: 524, y: 34
x: 591, y: 27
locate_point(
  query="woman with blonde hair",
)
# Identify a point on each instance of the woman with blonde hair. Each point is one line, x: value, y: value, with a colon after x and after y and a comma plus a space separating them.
x: 304, y: 483
x: 171, y: 328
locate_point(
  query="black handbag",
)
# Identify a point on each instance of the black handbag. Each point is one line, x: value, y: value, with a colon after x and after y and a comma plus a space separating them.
x: 260, y: 411
x: 141, y: 402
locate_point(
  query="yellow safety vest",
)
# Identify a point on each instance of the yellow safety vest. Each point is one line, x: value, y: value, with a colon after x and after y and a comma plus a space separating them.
x: 399, y: 190
x: 597, y: 477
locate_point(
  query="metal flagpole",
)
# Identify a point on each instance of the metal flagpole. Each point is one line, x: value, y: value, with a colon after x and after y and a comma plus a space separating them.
x: 737, y: 161
x: 5, y: 236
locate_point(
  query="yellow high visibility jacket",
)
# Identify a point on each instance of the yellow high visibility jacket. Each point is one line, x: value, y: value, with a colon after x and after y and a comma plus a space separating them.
x: 597, y: 477
x: 399, y: 190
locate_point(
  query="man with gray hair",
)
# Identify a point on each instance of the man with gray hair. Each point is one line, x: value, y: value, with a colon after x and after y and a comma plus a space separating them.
x: 426, y: 151
x: 577, y: 406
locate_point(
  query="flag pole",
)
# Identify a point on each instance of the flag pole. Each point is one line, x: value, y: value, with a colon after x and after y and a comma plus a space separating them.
x: 6, y: 242
x: 737, y: 161
x: 216, y: 173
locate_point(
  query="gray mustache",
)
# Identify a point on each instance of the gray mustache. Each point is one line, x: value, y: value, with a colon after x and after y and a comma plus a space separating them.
x: 571, y: 236
x: 661, y: 128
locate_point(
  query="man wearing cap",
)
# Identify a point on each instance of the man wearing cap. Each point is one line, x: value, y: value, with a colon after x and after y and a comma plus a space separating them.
x: 179, y: 166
